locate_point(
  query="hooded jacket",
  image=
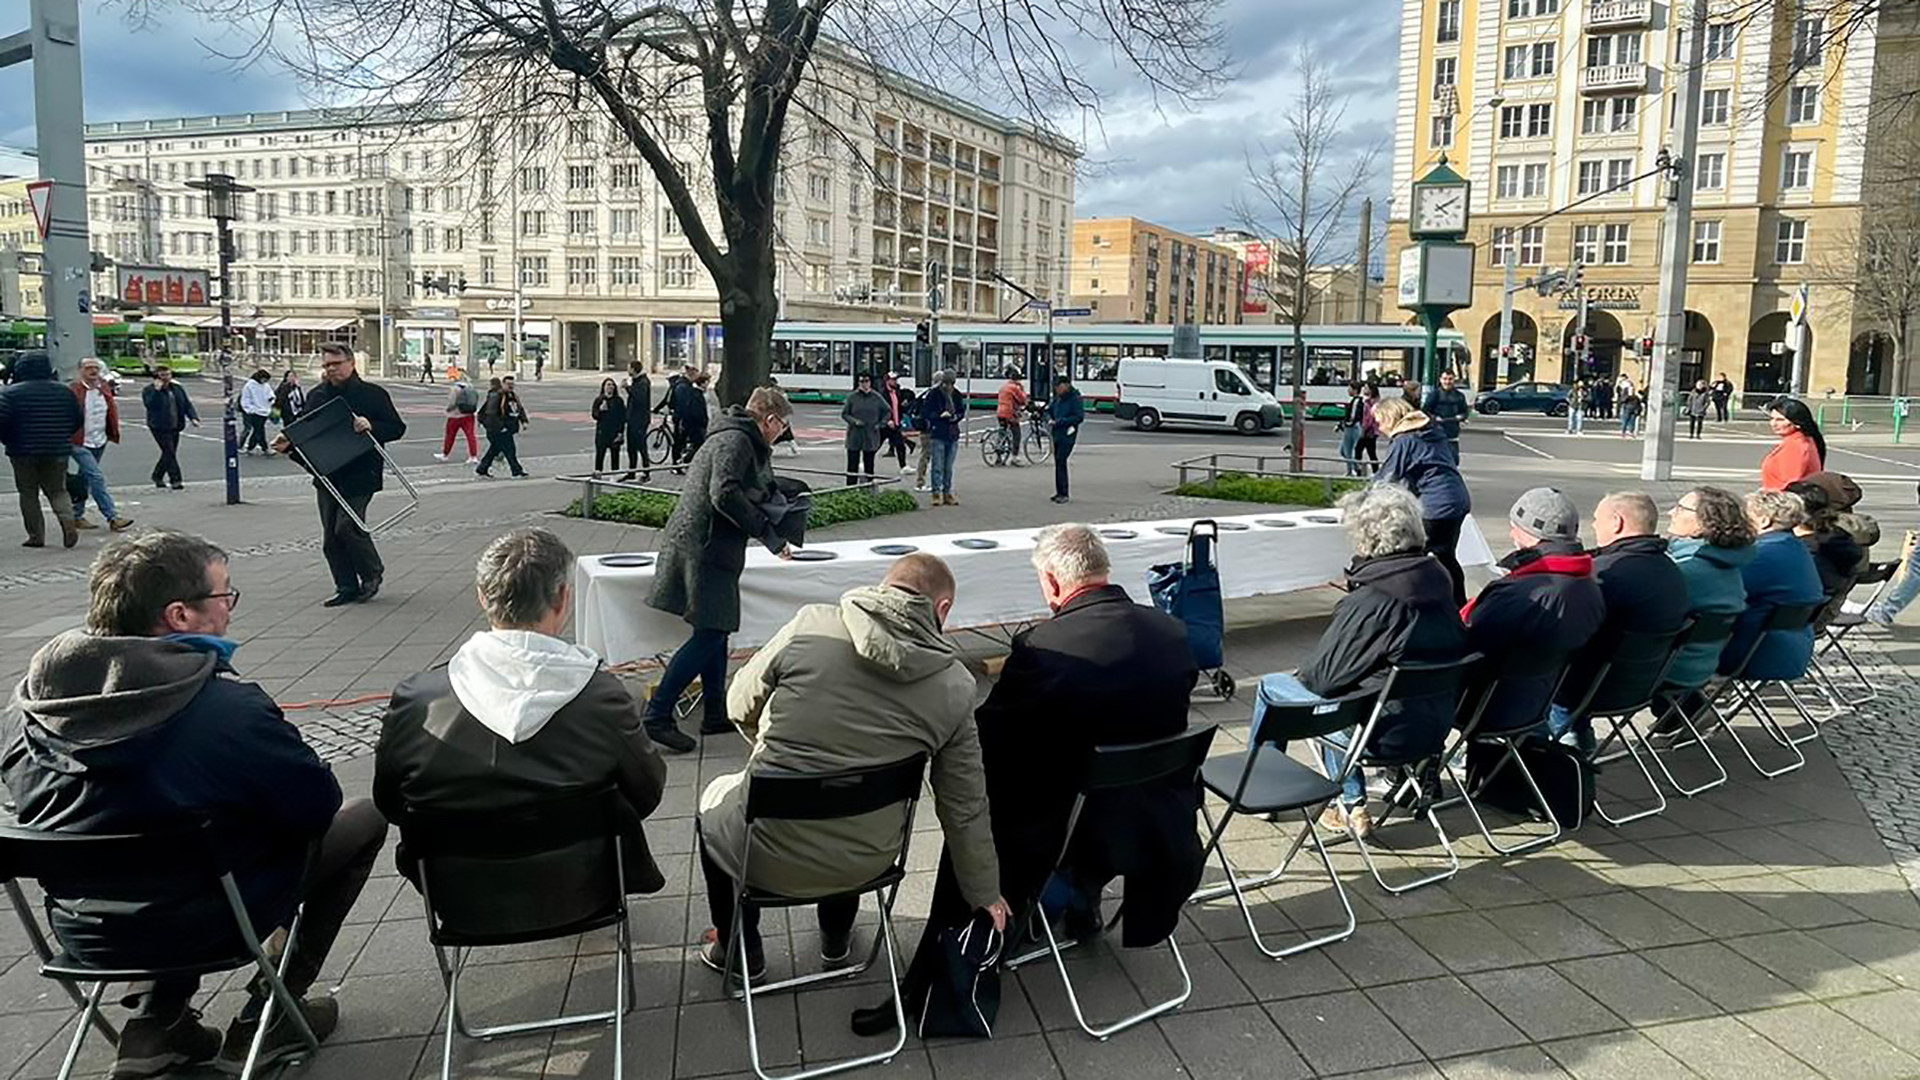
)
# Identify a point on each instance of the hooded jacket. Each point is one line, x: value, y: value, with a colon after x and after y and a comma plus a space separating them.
x: 1398, y: 607
x: 1780, y: 572
x: 39, y: 417
x: 864, y: 682
x: 1420, y: 460
x: 703, y: 546
x: 1548, y: 602
x: 1644, y: 593
x: 1712, y: 574
x: 517, y: 717
x: 128, y: 734
x: 639, y: 407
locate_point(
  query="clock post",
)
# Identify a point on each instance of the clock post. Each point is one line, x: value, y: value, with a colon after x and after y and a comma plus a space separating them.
x: 1436, y: 272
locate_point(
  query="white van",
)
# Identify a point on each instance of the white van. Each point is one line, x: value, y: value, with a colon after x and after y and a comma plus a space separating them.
x: 1199, y: 393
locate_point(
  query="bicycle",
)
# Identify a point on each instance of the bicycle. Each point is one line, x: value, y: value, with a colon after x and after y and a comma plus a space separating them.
x: 1036, y: 445
x: 660, y: 440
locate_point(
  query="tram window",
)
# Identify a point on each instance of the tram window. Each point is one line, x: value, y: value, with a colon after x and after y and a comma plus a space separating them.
x: 810, y: 358
x: 1329, y: 365
x: 1099, y: 363
x: 1256, y: 361
x: 782, y: 358
x: 902, y: 360
x: 1001, y: 357
x: 870, y: 357
x: 843, y: 359
x: 1215, y: 353
x: 1156, y: 351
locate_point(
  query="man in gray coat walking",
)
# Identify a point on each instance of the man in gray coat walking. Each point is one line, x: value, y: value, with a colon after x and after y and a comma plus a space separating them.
x: 703, y: 549
x: 866, y: 414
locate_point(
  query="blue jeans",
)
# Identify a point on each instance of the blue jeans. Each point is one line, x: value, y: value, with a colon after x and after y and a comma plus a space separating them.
x: 1350, y: 450
x: 944, y: 451
x: 1576, y: 419
x: 703, y: 656
x: 1560, y: 721
x: 1285, y: 688
x: 89, y: 460
x: 1900, y: 593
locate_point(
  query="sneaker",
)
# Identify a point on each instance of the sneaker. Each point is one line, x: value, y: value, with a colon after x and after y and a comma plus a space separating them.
x: 951, y: 501
x: 83, y: 523
x: 714, y: 955
x: 150, y: 1046
x: 474, y: 462
x: 917, y: 487
x: 1336, y: 817
x: 31, y: 542
x: 906, y: 470
x: 439, y: 457
x: 1018, y: 464
x: 482, y: 473
x: 283, y: 1041
x: 120, y: 524
x: 1058, y: 499
x: 716, y: 725
x: 159, y: 485
x: 179, y: 487
x: 835, y: 948
x: 670, y: 738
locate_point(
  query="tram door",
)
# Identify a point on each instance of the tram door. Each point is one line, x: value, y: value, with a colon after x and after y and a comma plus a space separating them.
x: 870, y: 359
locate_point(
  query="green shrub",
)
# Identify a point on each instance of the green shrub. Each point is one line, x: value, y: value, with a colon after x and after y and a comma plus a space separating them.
x: 652, y: 508
x: 1280, y: 490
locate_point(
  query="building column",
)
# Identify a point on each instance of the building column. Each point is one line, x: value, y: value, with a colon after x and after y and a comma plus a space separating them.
x: 604, y: 354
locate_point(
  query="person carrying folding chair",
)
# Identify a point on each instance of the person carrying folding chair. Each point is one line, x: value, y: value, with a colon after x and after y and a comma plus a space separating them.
x: 349, y: 550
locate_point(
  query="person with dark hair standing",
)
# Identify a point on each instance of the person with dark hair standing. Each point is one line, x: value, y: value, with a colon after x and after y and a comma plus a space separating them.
x: 1352, y: 420
x: 502, y: 416
x: 899, y: 410
x: 1697, y: 400
x: 256, y: 407
x: 688, y: 404
x: 351, y: 556
x: 1368, y: 445
x: 169, y: 411
x: 609, y: 424
x: 1801, y: 451
x: 1722, y: 394
x: 39, y: 419
x: 865, y: 414
x: 1065, y: 413
x: 639, y: 414
x: 289, y: 397
x: 1419, y: 459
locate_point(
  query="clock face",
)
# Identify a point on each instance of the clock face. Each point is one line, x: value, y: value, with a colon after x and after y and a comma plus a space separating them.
x: 1440, y: 209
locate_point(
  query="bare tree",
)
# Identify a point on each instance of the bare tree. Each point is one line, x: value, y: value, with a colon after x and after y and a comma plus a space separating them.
x: 1875, y: 261
x: 1304, y: 193
x: 708, y: 92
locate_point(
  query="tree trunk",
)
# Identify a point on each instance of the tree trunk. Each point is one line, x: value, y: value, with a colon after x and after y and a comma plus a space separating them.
x: 748, y: 308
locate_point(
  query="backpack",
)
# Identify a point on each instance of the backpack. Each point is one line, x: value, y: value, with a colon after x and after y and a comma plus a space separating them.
x: 467, y: 401
x: 1566, y: 778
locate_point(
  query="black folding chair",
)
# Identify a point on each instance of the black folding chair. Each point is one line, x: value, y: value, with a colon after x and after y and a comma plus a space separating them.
x: 38, y: 939
x: 1833, y: 634
x: 1114, y: 770
x: 1636, y: 664
x: 796, y: 797
x: 1536, y: 674
x: 180, y: 864
x: 1748, y: 693
x: 1266, y: 781
x: 493, y: 878
x: 1709, y: 629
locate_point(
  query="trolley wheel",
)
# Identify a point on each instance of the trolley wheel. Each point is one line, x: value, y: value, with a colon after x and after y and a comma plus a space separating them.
x: 1223, y: 685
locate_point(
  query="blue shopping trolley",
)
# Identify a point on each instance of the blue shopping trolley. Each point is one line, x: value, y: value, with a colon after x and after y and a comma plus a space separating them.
x: 1190, y: 591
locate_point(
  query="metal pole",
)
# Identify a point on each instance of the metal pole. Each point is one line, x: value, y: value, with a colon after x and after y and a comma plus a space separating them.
x: 54, y: 45
x: 935, y: 271
x: 1365, y: 260
x: 1430, y: 361
x: 1663, y: 384
x: 1506, y: 317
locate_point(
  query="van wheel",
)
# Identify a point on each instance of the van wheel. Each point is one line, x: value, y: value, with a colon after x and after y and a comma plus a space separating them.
x: 1147, y: 420
x: 1247, y: 423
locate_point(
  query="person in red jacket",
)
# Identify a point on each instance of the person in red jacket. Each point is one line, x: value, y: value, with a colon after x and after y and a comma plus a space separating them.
x: 1801, y: 451
x: 100, y: 427
x: 1013, y: 400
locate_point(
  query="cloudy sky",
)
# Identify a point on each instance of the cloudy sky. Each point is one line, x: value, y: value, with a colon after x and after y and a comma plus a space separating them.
x: 1177, y: 166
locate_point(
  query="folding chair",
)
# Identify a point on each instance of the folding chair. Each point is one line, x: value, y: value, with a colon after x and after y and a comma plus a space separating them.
x: 795, y: 797
x: 1115, y: 770
x: 1266, y: 781
x: 1636, y: 664
x: 1709, y: 629
x: 38, y: 939
x: 1833, y: 634
x: 181, y: 865
x: 492, y: 878
x: 1538, y: 676
x: 1747, y: 693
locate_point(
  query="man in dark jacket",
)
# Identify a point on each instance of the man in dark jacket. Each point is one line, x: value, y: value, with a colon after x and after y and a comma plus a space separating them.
x: 169, y: 411
x: 1547, y: 604
x: 688, y: 403
x: 866, y: 414
x: 502, y: 416
x: 943, y: 412
x: 39, y: 421
x: 519, y: 715
x: 639, y: 415
x: 139, y: 721
x: 1449, y: 408
x: 1643, y: 590
x: 349, y: 549
x: 1065, y: 413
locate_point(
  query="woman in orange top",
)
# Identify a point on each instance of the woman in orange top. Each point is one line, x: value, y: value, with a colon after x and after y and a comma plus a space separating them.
x: 1802, y: 450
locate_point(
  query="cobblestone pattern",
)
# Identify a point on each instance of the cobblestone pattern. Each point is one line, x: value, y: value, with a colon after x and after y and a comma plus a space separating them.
x: 338, y: 737
x: 1877, y: 753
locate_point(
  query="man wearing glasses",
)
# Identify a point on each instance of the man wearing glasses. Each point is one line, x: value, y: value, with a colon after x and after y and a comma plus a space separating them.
x: 139, y: 721
x: 349, y: 549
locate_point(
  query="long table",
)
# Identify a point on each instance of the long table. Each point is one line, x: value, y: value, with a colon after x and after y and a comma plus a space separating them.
x: 1260, y: 554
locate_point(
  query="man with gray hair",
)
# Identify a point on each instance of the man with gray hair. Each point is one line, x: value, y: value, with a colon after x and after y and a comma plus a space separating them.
x: 520, y: 716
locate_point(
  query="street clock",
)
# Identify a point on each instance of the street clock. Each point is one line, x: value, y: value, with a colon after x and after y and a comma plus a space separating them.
x: 1439, y: 209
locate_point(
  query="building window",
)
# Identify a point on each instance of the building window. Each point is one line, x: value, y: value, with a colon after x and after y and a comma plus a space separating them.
x: 533, y: 180
x: 1514, y: 62
x: 1796, y: 170
x: 1706, y: 241
x: 579, y: 178
x: 1533, y: 245
x: 1543, y: 59
x: 1447, y: 28
x: 581, y: 272
x: 676, y: 272
x: 624, y: 222
x: 1613, y: 248
x: 1513, y: 121
x: 1506, y: 181
x: 1539, y: 121
x: 533, y: 223
x: 1606, y: 50
x: 819, y: 189
x: 1714, y: 108
x: 1532, y: 9
x: 487, y: 273
x: 1710, y: 172
x: 579, y: 133
x: 1441, y: 136
x: 1790, y: 242
x: 819, y: 231
x: 1588, y: 180
x: 1501, y: 247
x: 669, y: 222
x: 1446, y: 71
x: 1533, y: 181
x: 1586, y: 244
x: 1808, y: 42
x: 582, y: 223
x: 1720, y: 39
x: 533, y: 271
x: 1619, y: 173
x: 1803, y: 105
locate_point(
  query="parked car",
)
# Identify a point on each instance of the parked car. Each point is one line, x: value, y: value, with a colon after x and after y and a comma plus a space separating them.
x: 1549, y: 398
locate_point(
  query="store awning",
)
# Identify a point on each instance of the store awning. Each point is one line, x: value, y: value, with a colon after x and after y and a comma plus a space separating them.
x: 310, y: 322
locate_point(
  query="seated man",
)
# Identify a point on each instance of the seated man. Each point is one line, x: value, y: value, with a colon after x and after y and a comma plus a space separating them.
x: 1398, y: 607
x: 1643, y: 592
x: 519, y: 715
x: 1103, y: 671
x: 139, y: 720
x: 864, y: 682
x: 1547, y: 602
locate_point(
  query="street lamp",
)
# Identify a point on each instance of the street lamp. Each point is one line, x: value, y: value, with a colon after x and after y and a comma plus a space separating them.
x: 221, y: 191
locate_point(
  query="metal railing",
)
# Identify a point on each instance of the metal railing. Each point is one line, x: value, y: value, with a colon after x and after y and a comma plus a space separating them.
x: 1212, y: 466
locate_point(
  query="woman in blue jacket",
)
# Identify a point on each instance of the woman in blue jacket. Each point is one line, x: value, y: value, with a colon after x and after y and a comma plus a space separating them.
x: 1420, y: 460
x: 1712, y: 542
x: 1781, y: 573
x: 1066, y: 412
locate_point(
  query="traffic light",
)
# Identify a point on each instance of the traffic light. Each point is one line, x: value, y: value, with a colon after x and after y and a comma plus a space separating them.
x: 1574, y: 280
x: 462, y: 286
x: 1646, y: 346
x: 1580, y: 343
x: 922, y: 335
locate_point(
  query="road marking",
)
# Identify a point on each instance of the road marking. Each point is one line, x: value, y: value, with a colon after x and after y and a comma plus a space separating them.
x: 1876, y: 457
x: 1534, y: 450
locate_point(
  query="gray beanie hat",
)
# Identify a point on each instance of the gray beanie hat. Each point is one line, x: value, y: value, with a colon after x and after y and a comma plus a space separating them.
x: 1546, y: 513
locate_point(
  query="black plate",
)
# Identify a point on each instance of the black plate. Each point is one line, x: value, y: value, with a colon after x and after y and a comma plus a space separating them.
x: 974, y: 543
x: 1277, y: 523
x: 1119, y: 534
x: 894, y: 549
x: 1172, y: 530
x: 1232, y: 526
x: 626, y: 560
x: 1323, y: 519
x: 813, y: 555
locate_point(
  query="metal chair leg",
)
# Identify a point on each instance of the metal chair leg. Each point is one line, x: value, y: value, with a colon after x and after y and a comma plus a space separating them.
x: 1510, y: 757
x: 1238, y: 888
x: 1695, y: 738
x: 87, y: 1012
x: 31, y: 926
x: 885, y: 943
x: 1104, y: 1033
x: 1628, y: 734
x: 1433, y: 819
x: 280, y: 995
x: 1726, y: 721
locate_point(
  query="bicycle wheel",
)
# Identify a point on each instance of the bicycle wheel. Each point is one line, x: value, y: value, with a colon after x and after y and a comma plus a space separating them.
x: 660, y: 446
x: 1039, y: 444
x: 994, y: 449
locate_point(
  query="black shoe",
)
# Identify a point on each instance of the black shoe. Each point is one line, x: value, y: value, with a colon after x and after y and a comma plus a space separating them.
x: 283, y: 1041
x: 716, y: 725
x: 369, y: 589
x: 670, y: 738
x: 1059, y: 498
x: 714, y: 955
x: 879, y: 1020
x: 179, y: 487
x: 159, y: 485
x: 150, y: 1046
x: 835, y: 948
x: 341, y: 599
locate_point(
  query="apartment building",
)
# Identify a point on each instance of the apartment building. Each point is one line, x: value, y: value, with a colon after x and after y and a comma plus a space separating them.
x: 21, y: 286
x: 1129, y: 270
x: 1544, y: 103
x: 561, y: 234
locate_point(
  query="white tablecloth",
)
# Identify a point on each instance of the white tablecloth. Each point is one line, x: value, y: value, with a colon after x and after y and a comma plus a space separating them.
x: 996, y: 586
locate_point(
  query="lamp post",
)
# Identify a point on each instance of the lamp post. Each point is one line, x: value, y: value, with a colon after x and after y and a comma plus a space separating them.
x: 221, y: 191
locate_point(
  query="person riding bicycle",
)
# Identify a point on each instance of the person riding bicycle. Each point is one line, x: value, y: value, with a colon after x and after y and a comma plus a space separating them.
x: 1011, y: 412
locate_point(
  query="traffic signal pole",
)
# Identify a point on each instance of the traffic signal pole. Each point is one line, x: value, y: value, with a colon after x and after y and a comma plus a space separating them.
x: 1670, y: 326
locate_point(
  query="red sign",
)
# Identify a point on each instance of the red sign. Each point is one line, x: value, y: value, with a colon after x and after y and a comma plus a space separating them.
x: 1253, y: 296
x: 157, y: 286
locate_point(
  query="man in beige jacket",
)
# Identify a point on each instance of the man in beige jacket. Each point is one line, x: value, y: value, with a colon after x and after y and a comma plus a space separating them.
x: 864, y: 682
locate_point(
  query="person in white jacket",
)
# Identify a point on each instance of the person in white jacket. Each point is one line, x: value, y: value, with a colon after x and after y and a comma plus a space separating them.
x: 256, y: 406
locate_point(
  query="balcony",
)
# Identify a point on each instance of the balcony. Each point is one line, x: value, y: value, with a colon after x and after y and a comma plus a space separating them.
x: 991, y: 172
x: 964, y: 164
x: 1615, y: 13
x: 913, y: 186
x: 914, y: 147
x: 941, y: 157
x: 1612, y: 77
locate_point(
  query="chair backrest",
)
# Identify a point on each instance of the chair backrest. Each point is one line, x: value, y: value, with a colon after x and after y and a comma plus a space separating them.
x: 109, y: 866
x: 519, y: 873
x: 1134, y: 764
x: 1709, y: 628
x: 1291, y: 721
x: 784, y: 796
x: 1781, y: 617
x: 1413, y: 681
x: 1877, y: 572
x: 1523, y: 681
x: 1634, y: 665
